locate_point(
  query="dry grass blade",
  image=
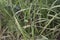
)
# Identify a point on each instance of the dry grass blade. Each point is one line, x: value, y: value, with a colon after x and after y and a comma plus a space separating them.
x: 48, y: 24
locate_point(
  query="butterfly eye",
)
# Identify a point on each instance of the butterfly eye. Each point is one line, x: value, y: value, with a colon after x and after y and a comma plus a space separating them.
x: 17, y: 8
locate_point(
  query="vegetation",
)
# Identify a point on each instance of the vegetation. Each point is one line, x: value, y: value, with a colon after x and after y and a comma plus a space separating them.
x: 29, y: 19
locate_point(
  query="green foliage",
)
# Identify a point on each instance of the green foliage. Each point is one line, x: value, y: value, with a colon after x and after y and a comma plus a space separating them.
x: 30, y: 19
